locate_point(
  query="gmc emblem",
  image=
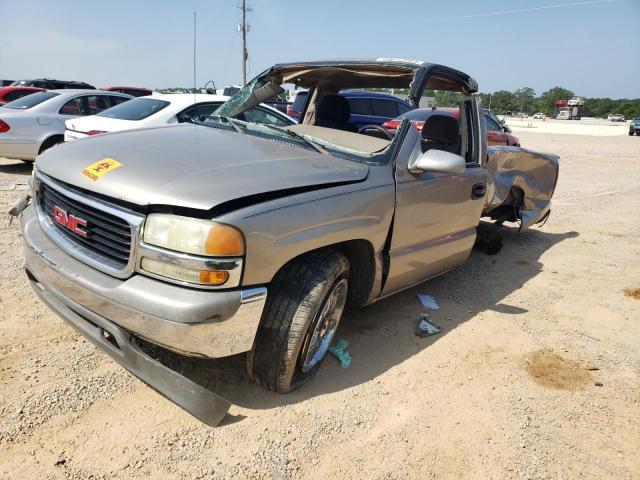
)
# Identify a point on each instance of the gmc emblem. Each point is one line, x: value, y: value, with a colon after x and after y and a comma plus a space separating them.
x: 69, y: 221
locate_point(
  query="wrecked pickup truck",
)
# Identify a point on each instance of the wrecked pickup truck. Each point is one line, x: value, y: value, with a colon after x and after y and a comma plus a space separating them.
x: 235, y: 237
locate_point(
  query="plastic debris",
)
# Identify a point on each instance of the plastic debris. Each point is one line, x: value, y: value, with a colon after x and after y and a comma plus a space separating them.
x: 428, y: 302
x: 339, y: 350
x: 18, y: 207
x: 424, y: 328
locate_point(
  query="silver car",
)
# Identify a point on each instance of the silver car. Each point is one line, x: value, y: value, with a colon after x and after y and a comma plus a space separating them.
x: 30, y: 125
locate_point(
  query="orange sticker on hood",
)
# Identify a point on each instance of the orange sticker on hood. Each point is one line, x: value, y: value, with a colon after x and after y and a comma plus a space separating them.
x: 94, y: 171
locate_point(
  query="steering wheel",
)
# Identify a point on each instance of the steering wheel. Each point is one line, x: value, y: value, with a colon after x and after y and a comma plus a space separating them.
x: 375, y: 131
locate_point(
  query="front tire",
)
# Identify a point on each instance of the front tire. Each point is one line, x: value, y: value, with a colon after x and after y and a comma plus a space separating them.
x: 303, y: 312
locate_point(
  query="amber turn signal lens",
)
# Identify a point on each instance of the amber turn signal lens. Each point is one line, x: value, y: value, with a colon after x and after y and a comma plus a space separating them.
x: 216, y: 277
x: 224, y: 240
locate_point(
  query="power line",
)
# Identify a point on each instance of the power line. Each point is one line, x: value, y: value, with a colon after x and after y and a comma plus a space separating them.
x: 523, y: 10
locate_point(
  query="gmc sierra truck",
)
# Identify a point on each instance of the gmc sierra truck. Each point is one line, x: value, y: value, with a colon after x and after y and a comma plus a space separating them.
x: 232, y: 237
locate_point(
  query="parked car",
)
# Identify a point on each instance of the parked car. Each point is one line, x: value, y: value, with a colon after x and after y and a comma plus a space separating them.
x: 51, y: 84
x: 229, y: 90
x: 133, y: 91
x: 539, y: 116
x: 372, y: 108
x: 295, y: 108
x: 162, y: 110
x: 509, y: 113
x: 32, y: 124
x: 495, y: 118
x: 497, y: 134
x: 617, y: 118
x: 365, y: 108
x: 238, y: 237
x: 279, y: 104
x: 634, y: 126
x: 9, y: 94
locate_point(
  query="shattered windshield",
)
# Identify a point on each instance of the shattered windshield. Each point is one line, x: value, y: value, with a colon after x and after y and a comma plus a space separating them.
x: 228, y: 108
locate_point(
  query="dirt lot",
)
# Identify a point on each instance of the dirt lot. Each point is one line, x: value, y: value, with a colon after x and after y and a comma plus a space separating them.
x: 536, y: 373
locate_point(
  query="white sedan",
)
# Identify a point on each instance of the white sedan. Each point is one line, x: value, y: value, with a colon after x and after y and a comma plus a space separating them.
x: 167, y: 109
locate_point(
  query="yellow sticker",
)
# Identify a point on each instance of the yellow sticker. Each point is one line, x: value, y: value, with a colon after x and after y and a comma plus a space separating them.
x: 94, y: 171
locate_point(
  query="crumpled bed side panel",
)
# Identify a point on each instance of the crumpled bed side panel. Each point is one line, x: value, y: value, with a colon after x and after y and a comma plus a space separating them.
x: 535, y: 173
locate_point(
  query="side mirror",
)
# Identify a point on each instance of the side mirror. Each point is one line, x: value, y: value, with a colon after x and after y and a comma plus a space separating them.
x: 438, y: 161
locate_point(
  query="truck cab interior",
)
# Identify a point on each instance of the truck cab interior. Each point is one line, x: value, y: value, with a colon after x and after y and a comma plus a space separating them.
x: 325, y: 115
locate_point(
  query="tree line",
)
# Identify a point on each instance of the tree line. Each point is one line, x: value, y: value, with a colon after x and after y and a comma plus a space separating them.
x: 525, y: 100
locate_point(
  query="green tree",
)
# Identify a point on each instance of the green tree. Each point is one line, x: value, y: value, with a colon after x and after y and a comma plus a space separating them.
x: 503, y: 101
x: 525, y: 98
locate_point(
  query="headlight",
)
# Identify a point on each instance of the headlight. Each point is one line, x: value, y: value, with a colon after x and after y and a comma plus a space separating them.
x: 193, y: 235
x: 183, y: 274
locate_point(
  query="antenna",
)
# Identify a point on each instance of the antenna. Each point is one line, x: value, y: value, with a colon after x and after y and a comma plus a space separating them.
x: 243, y: 28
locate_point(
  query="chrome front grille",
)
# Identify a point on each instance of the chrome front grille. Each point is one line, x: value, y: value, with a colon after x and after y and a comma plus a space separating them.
x: 106, y: 234
x: 96, y: 232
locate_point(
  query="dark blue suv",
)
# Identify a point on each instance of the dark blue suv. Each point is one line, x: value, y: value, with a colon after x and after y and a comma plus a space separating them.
x: 372, y: 108
x: 367, y: 108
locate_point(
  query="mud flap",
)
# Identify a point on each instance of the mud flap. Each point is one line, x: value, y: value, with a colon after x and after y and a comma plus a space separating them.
x: 120, y: 345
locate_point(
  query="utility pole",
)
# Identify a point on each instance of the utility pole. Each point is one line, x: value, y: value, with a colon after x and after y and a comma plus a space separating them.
x: 194, y: 52
x: 243, y: 28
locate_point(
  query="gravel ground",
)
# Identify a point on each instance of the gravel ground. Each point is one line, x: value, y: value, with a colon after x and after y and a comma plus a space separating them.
x: 536, y: 374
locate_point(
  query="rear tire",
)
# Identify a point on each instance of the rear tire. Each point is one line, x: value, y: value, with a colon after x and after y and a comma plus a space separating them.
x: 304, y: 296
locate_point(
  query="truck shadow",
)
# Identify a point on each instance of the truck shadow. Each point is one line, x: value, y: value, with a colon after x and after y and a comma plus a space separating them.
x: 17, y: 167
x: 381, y: 336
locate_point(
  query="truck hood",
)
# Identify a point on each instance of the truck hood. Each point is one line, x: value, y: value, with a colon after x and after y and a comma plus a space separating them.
x: 193, y: 166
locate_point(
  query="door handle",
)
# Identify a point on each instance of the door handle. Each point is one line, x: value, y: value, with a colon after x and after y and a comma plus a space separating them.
x: 478, y: 191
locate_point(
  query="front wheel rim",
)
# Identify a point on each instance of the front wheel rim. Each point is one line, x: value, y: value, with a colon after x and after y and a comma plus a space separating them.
x: 324, y: 326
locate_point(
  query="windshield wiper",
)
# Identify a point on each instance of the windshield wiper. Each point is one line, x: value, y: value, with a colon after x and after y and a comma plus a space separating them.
x: 231, y: 121
x: 312, y: 144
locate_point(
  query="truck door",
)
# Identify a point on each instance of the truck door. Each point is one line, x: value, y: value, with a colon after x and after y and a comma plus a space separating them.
x: 436, y: 214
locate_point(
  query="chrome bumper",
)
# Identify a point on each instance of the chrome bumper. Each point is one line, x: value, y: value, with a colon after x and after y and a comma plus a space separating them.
x: 201, y: 323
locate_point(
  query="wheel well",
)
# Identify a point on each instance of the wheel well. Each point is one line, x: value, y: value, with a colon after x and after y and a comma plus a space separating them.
x: 361, y: 268
x: 510, y: 209
x: 50, y: 142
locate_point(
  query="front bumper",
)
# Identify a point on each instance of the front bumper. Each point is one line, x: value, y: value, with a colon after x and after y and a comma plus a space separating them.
x: 200, y: 323
x: 121, y: 346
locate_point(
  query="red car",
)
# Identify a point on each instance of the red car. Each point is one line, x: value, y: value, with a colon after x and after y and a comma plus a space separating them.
x: 496, y: 133
x: 134, y: 91
x: 9, y: 94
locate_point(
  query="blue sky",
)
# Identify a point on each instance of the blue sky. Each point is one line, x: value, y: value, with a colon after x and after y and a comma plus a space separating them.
x: 591, y: 48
